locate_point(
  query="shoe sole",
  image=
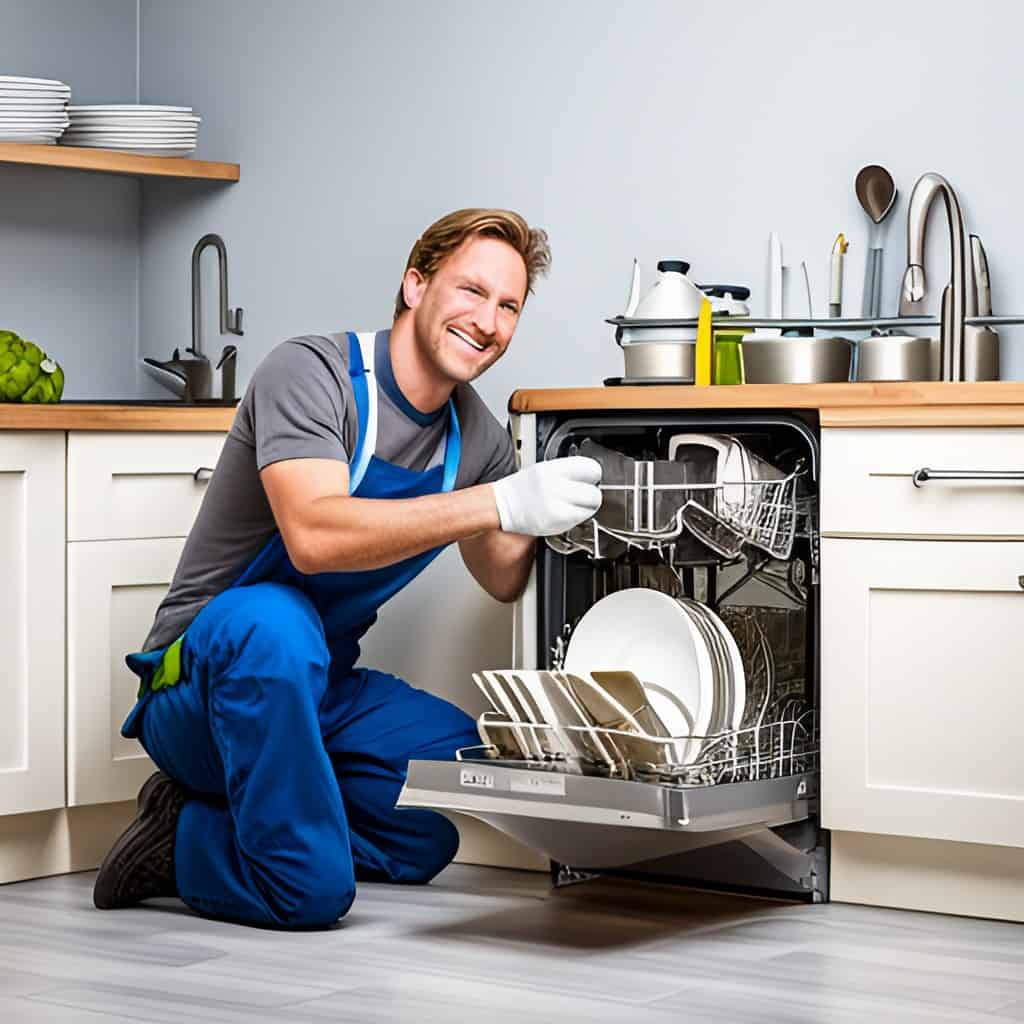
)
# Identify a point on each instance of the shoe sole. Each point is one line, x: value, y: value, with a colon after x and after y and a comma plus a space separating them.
x: 156, y: 799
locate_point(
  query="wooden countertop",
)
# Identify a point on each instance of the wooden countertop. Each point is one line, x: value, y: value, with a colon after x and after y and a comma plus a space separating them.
x: 990, y: 404
x: 99, y: 416
x: 924, y: 404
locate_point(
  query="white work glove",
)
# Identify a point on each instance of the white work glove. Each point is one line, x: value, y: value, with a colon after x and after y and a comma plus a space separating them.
x: 550, y: 497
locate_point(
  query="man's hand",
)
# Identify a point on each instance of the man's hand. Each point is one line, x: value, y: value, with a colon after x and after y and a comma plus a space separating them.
x: 550, y: 497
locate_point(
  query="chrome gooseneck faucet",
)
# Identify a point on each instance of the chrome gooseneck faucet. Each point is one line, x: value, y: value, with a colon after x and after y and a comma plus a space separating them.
x: 230, y: 320
x: 954, y: 296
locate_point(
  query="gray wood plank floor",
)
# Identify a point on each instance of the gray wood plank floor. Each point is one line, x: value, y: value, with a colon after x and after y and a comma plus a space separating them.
x: 502, y: 947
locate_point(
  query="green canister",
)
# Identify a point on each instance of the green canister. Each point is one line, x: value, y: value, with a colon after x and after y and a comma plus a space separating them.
x: 729, y: 356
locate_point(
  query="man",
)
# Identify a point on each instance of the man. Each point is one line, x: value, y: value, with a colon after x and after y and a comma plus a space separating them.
x: 352, y: 461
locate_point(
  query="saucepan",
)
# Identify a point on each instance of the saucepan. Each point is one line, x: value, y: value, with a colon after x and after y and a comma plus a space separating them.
x: 897, y: 357
x: 796, y: 360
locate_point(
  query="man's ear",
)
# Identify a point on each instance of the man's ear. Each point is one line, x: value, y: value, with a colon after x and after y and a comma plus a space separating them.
x: 414, y: 284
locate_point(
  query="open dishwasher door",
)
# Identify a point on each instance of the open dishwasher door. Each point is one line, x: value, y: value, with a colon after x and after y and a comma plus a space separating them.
x: 605, y: 823
x: 719, y: 513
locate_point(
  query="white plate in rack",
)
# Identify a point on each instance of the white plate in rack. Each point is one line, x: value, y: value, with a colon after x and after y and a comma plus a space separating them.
x: 650, y: 634
x: 732, y: 676
x: 675, y: 716
x: 739, y: 675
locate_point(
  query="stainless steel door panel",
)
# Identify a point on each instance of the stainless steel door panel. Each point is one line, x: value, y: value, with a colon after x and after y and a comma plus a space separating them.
x: 594, y: 822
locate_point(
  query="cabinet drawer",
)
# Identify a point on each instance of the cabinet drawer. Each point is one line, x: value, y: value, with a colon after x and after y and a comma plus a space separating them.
x: 123, y: 486
x: 868, y: 490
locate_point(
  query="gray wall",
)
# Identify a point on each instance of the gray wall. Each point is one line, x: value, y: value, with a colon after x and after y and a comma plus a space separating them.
x: 660, y: 129
x: 69, y: 241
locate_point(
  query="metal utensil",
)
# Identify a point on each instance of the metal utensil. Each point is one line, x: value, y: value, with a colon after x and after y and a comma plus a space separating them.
x: 877, y: 193
x: 981, y: 343
x: 835, y: 296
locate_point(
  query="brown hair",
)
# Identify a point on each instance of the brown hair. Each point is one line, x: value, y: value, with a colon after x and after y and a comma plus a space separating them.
x: 444, y: 236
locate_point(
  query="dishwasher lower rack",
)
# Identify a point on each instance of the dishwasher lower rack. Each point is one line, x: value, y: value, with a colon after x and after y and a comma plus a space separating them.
x: 741, y: 788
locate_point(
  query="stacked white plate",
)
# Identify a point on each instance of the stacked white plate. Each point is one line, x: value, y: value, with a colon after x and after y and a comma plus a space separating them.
x: 683, y: 654
x: 133, y: 128
x: 32, y: 109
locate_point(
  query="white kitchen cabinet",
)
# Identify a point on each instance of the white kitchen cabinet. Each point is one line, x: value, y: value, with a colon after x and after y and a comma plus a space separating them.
x: 125, y: 485
x: 114, y: 588
x: 868, y: 489
x: 31, y: 621
x: 922, y: 655
x: 132, y: 499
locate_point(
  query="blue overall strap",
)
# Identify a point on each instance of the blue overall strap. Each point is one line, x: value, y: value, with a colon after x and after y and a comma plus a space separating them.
x: 364, y: 385
x: 452, y: 450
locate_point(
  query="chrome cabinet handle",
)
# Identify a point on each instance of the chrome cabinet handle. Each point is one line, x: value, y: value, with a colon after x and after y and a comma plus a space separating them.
x: 202, y: 474
x: 922, y: 476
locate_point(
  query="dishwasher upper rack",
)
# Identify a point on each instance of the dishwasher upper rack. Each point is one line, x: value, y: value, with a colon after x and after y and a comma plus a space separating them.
x: 654, y: 511
x: 768, y: 750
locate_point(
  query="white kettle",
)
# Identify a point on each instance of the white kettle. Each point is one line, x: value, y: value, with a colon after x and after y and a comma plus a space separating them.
x: 660, y: 353
x: 673, y: 296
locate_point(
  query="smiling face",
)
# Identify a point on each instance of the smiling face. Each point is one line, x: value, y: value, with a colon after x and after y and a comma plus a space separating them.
x: 465, y: 314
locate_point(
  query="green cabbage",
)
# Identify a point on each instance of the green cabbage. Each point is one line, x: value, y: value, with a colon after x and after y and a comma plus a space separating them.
x: 27, y: 374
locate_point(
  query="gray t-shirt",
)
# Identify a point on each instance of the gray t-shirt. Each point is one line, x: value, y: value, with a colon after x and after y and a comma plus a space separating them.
x: 300, y: 405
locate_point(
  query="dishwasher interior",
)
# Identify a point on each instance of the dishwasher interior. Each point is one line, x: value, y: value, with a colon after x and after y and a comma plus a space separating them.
x: 701, y: 569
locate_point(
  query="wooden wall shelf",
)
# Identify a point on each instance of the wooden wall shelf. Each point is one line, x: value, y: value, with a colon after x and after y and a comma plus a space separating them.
x: 107, y: 161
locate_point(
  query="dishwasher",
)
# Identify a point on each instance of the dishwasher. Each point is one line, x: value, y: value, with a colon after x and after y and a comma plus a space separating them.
x: 700, y: 567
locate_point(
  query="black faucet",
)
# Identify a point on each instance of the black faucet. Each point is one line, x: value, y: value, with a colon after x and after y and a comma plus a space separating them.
x: 230, y: 320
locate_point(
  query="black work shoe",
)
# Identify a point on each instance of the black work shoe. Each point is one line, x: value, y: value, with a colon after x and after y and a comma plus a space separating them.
x: 140, y: 864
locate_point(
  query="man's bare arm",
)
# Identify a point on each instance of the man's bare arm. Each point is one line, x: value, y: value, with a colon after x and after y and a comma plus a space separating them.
x: 326, y: 530
x: 500, y: 562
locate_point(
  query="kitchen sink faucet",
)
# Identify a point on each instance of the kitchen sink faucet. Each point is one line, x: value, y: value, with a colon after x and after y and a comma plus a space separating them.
x: 954, y: 295
x: 230, y: 320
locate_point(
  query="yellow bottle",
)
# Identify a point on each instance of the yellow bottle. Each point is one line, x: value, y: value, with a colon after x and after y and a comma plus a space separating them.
x: 703, y: 355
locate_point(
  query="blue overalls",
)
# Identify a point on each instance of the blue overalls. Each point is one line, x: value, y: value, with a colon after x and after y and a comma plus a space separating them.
x: 294, y: 756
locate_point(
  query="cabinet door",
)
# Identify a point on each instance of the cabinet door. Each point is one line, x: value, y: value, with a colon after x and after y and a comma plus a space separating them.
x: 31, y: 621
x: 922, y: 690
x: 114, y: 588
x: 134, y: 485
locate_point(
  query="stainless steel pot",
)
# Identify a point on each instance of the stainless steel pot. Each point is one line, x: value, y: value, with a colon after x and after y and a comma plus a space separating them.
x: 647, y: 360
x: 981, y: 353
x: 904, y: 357
x: 898, y: 357
x: 796, y: 360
